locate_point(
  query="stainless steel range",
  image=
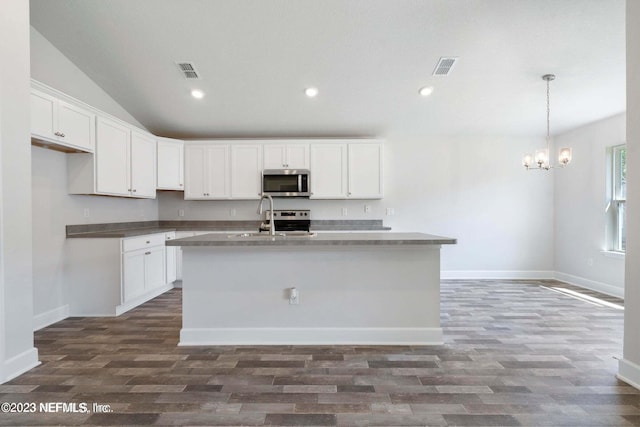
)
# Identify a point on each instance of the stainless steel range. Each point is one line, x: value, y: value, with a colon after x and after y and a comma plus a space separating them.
x: 290, y: 220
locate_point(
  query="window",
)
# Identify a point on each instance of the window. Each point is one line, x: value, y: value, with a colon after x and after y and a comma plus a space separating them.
x: 617, y: 195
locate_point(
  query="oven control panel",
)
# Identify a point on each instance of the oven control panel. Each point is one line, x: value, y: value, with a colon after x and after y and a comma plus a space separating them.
x: 293, y: 215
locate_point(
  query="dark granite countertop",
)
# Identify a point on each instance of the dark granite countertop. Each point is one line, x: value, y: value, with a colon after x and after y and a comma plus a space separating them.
x: 138, y: 228
x: 323, y: 239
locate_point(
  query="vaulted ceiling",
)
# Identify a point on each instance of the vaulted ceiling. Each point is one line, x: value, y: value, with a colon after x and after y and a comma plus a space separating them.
x: 368, y: 59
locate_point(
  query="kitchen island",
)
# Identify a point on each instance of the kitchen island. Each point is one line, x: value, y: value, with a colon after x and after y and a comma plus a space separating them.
x: 352, y: 288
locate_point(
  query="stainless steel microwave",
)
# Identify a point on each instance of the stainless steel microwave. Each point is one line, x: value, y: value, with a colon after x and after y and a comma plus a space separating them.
x: 286, y: 182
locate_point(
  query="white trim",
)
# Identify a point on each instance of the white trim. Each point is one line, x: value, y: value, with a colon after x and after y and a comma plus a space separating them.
x: 496, y: 274
x: 629, y: 372
x: 50, y: 317
x: 613, y: 254
x: 590, y: 284
x: 19, y: 364
x: 124, y: 307
x: 310, y: 336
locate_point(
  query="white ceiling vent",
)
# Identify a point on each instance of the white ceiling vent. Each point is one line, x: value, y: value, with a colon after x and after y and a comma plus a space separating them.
x: 445, y: 65
x: 188, y: 70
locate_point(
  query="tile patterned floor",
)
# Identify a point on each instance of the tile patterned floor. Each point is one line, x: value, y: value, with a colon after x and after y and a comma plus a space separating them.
x: 515, y: 354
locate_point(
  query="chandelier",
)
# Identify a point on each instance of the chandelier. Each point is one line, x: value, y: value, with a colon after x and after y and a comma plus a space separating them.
x: 542, y: 161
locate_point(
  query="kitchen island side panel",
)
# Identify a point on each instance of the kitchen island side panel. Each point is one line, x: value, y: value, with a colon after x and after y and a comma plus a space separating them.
x: 347, y: 295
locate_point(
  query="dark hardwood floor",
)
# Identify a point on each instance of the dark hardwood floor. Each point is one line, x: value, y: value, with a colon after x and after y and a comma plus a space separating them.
x: 516, y: 353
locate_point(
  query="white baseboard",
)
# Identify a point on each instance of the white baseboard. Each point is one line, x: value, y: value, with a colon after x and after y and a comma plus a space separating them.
x: 590, y: 284
x: 123, y: 308
x: 629, y: 372
x: 19, y: 364
x: 50, y: 317
x: 496, y: 274
x: 310, y: 336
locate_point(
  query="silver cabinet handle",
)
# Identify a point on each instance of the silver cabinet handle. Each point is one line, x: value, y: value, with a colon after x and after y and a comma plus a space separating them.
x: 134, y: 190
x: 148, y: 241
x: 147, y: 253
x: 57, y: 133
x: 62, y: 135
x: 180, y: 185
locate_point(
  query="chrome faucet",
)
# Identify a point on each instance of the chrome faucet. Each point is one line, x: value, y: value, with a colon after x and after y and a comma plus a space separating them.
x: 272, y: 224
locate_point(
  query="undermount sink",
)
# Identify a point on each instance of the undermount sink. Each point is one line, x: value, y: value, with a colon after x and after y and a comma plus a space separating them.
x: 266, y: 235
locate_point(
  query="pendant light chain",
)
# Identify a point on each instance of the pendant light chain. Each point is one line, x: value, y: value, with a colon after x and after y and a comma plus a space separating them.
x: 542, y: 159
x: 548, y: 114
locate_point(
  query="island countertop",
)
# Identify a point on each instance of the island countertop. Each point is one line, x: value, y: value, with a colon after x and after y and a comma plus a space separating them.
x: 320, y: 239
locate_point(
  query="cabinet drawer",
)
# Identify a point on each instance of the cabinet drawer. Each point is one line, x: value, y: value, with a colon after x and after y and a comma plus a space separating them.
x: 141, y: 242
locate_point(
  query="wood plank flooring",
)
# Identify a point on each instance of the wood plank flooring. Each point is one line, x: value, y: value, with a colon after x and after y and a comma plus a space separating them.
x: 516, y: 353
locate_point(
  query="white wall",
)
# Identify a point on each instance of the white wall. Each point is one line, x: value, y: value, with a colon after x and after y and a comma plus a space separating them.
x: 53, y: 207
x: 473, y: 189
x: 580, y: 200
x: 17, y: 353
x: 51, y: 67
x: 629, y: 367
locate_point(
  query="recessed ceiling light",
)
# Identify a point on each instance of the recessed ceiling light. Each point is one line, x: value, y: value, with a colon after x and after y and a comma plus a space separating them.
x: 426, y: 91
x: 197, y: 94
x: 311, y: 92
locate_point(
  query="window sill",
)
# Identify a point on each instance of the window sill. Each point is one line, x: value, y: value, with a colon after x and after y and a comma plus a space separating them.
x: 613, y: 254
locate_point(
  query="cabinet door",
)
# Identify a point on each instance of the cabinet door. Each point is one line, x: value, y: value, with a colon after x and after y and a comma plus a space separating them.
x: 170, y: 155
x: 246, y: 170
x: 112, y: 158
x: 133, y: 274
x: 297, y: 156
x: 195, y: 158
x: 274, y: 156
x: 217, y: 185
x: 76, y: 126
x: 143, y: 165
x: 43, y: 114
x: 365, y: 171
x: 328, y: 171
x: 154, y: 268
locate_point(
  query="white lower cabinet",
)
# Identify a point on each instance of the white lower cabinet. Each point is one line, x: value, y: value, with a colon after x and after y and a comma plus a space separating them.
x: 143, y: 265
x: 143, y: 270
x: 109, y: 276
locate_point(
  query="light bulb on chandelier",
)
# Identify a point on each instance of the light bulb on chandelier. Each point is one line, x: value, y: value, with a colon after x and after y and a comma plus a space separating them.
x: 541, y: 160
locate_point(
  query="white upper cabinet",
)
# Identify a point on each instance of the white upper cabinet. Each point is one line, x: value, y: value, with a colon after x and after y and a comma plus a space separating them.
x: 61, y: 123
x: 218, y: 175
x: 286, y: 156
x: 123, y: 164
x: 113, y: 164
x: 328, y: 171
x: 246, y: 171
x: 348, y: 170
x: 207, y: 174
x: 365, y: 170
x: 143, y: 165
x: 170, y: 164
x: 217, y: 170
